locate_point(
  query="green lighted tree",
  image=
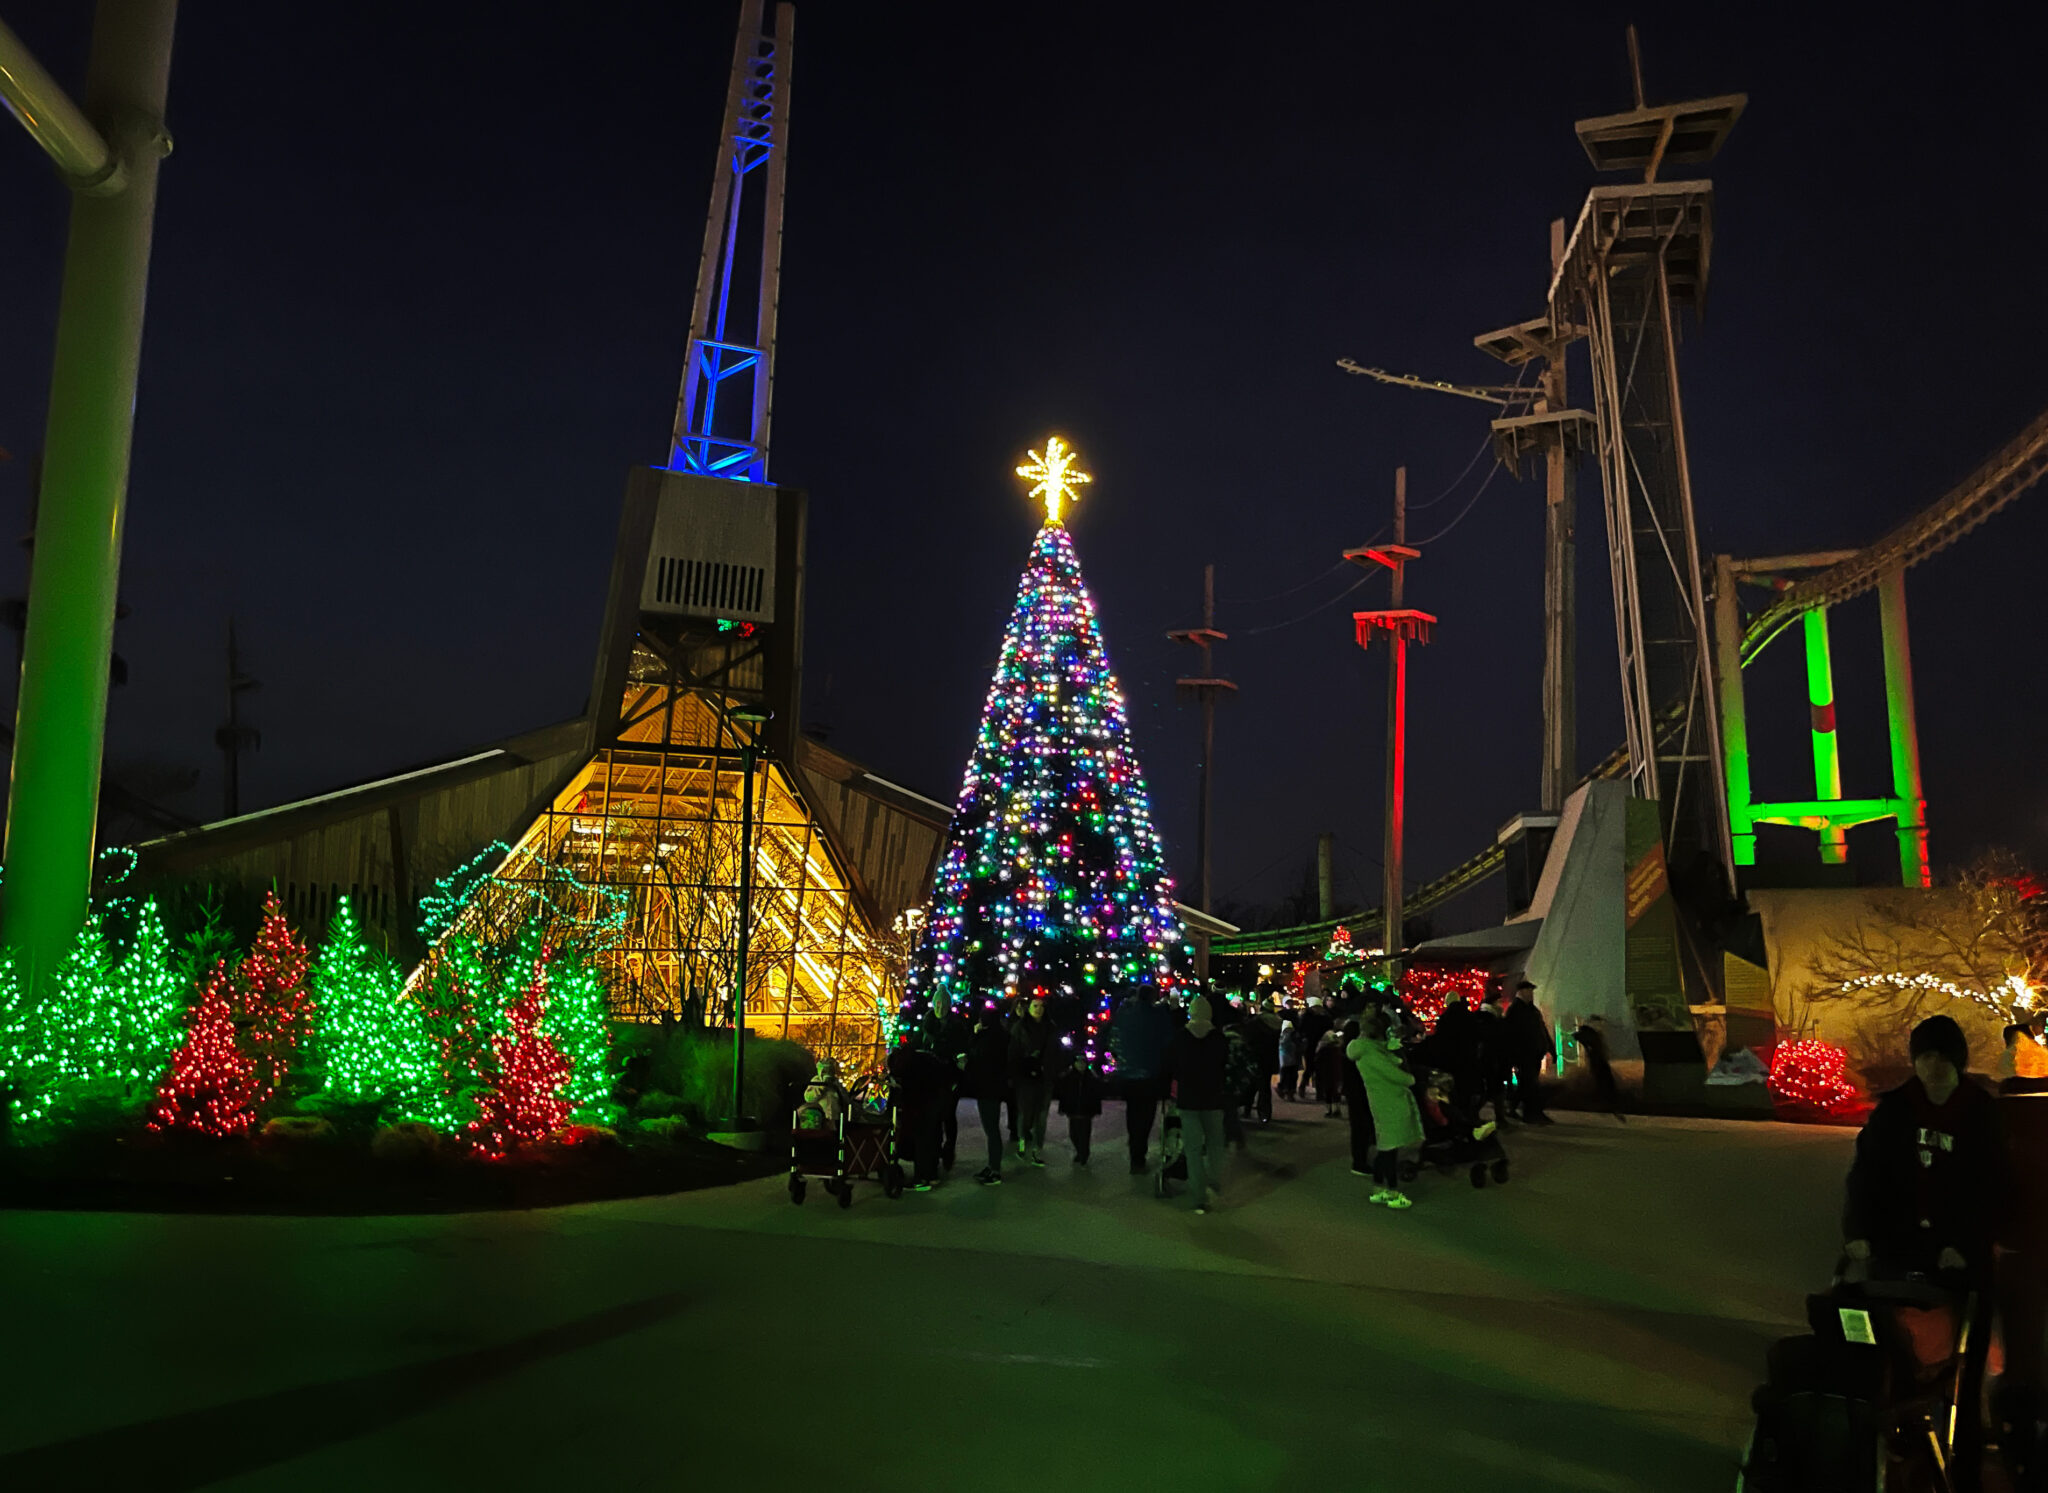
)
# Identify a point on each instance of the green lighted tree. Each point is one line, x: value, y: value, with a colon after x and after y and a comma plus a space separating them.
x: 103, y: 1036
x: 370, y: 1039
x: 22, y: 1073
x: 577, y: 1021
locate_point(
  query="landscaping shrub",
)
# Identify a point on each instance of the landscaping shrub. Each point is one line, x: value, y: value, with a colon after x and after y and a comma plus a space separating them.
x: 694, y: 1064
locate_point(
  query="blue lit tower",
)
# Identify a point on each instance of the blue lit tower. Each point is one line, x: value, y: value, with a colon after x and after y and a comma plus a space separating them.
x: 743, y: 906
x: 1052, y: 882
x: 721, y: 427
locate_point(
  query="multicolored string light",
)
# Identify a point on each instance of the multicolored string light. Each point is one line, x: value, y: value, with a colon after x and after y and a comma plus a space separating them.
x: 1053, y: 881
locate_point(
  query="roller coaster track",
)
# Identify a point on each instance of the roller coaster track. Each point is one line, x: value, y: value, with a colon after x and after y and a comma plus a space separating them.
x: 2009, y: 472
x: 1460, y: 878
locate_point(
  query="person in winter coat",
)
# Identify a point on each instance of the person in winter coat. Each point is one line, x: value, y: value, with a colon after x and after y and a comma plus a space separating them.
x: 1526, y: 1036
x: 1454, y: 1045
x: 1927, y: 1188
x: 1390, y: 1093
x: 924, y: 1087
x: 1262, y: 1034
x: 1241, y: 1072
x: 986, y: 1079
x: 1081, y: 1090
x: 1329, y: 1066
x: 956, y: 1032
x: 1309, y: 1027
x: 1290, y: 1057
x: 1592, y: 1040
x: 1138, y: 1035
x: 1194, y: 1070
x: 1363, y: 1135
x: 1926, y: 1194
x: 1034, y: 1059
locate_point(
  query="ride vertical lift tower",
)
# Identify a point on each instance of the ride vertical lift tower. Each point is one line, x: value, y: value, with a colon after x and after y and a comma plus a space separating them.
x: 1637, y: 256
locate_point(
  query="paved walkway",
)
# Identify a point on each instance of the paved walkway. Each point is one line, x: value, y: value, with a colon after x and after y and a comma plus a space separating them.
x: 1595, y: 1325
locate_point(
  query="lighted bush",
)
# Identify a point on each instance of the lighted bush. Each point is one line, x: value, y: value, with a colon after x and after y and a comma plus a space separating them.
x: 1812, y: 1073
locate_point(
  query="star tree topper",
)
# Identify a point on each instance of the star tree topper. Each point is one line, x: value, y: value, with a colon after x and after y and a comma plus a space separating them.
x: 1056, y: 477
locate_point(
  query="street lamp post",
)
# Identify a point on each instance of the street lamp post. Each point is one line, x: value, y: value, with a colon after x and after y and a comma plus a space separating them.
x: 752, y: 718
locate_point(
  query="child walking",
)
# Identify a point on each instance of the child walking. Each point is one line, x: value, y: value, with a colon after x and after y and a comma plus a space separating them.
x: 1329, y: 1063
x: 1390, y: 1093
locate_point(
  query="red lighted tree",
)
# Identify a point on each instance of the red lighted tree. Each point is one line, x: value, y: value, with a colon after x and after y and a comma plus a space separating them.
x: 212, y: 1085
x: 527, y: 1075
x: 276, y: 1005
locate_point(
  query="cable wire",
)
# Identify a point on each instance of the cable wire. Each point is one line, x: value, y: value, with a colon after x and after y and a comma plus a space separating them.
x: 1252, y: 632
x: 1252, y: 601
x: 1440, y: 533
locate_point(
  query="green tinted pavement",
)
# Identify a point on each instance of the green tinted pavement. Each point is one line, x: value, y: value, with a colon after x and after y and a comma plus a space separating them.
x: 1595, y: 1325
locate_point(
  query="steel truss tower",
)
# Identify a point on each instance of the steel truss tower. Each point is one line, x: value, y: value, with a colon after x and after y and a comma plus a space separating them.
x: 1638, y: 254
x: 736, y: 900
x: 721, y: 427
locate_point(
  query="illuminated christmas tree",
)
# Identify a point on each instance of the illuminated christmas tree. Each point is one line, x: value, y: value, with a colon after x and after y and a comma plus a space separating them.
x: 370, y: 1038
x: 528, y: 1074
x: 213, y: 1085
x: 22, y: 1072
x: 273, y: 1001
x: 100, y: 1038
x: 578, y: 1023
x: 1053, y: 881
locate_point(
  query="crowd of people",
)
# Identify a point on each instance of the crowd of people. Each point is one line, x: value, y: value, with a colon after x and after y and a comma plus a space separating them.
x: 1217, y: 1066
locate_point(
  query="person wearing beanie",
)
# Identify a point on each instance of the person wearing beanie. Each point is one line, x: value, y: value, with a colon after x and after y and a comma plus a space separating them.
x: 1194, y: 1072
x: 1928, y: 1184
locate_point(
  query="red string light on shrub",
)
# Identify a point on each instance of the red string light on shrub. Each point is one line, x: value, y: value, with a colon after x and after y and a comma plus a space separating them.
x: 525, y: 1101
x: 213, y: 1083
x: 1812, y: 1072
x: 1426, y: 991
x: 271, y: 984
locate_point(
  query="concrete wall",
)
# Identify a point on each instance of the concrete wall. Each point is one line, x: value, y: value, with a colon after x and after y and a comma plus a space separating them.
x: 1801, y: 926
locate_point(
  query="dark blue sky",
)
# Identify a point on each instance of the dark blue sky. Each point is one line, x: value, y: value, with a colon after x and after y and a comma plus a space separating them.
x: 423, y: 273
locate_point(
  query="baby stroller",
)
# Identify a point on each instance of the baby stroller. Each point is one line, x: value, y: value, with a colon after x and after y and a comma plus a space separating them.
x: 841, y: 1139
x: 1454, y: 1136
x: 1173, y: 1160
x: 1874, y: 1397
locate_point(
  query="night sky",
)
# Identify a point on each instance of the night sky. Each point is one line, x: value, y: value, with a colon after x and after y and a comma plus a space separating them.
x: 423, y: 272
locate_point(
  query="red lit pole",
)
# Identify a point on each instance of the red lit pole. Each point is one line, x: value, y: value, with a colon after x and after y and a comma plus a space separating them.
x: 1401, y: 625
